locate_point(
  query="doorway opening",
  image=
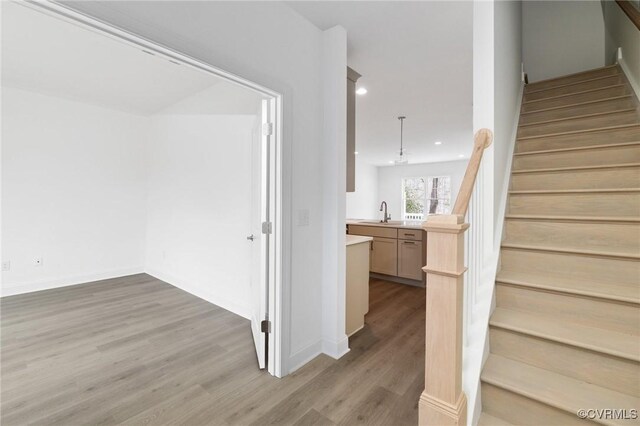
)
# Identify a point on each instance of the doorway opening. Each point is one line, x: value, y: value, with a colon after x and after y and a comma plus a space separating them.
x: 198, y: 153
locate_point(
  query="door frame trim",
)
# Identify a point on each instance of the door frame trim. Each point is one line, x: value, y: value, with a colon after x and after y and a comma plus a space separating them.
x: 276, y: 298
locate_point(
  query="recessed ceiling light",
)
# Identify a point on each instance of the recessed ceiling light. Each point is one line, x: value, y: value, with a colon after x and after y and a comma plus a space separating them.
x: 438, y: 142
x: 361, y: 91
x: 390, y: 161
x: 356, y: 153
x: 461, y: 155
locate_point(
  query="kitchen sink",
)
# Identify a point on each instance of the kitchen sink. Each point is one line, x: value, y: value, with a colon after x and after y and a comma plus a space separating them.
x: 390, y: 223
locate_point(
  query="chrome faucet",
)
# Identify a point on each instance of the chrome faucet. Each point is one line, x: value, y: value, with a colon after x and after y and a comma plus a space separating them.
x: 386, y: 216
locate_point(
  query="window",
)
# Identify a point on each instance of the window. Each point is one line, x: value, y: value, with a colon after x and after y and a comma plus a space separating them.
x: 423, y: 196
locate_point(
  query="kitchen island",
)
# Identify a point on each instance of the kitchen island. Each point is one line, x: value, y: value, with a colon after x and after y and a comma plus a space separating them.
x: 357, y: 298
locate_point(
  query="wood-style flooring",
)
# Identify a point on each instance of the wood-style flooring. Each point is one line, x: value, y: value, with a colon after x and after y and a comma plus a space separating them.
x: 135, y: 350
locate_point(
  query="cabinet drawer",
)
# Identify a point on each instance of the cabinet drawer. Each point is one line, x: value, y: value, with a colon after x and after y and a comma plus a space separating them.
x: 410, y: 234
x: 373, y: 231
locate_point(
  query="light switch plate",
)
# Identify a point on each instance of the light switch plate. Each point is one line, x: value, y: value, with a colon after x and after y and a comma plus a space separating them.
x: 6, y: 266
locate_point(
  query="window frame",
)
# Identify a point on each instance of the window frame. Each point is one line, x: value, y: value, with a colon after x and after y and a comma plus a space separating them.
x: 426, y: 199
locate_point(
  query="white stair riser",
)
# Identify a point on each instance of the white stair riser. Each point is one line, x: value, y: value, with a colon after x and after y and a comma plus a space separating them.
x: 596, y: 312
x: 578, y: 110
x: 520, y: 410
x: 606, y: 270
x: 584, y: 123
x: 621, y: 177
x: 534, y: 86
x: 595, y: 95
x: 588, y: 157
x: 611, y: 372
x: 617, y: 237
x: 576, y: 140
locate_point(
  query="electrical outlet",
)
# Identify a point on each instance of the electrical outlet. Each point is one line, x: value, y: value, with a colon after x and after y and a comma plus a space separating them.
x: 37, y: 261
x: 6, y: 266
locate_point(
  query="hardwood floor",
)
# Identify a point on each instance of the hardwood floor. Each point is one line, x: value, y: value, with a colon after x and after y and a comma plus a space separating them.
x: 136, y: 350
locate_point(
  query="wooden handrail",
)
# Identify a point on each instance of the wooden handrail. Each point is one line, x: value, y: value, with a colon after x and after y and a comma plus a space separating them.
x: 481, y: 141
x: 631, y: 11
x: 443, y: 401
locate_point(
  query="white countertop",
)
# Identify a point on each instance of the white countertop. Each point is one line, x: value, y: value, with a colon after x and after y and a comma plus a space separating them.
x: 406, y: 224
x: 357, y: 239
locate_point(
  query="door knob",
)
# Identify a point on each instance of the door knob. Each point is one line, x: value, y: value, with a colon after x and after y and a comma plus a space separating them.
x: 251, y: 237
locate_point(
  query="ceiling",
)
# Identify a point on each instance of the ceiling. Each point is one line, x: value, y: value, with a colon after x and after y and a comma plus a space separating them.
x: 415, y: 58
x: 51, y: 56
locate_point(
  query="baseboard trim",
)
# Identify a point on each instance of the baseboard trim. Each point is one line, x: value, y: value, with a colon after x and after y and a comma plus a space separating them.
x: 200, y: 292
x: 9, y: 290
x: 635, y: 85
x: 336, y: 349
x: 303, y: 356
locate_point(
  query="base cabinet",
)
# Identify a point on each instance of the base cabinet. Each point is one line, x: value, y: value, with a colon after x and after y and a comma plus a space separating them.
x: 410, y: 261
x: 384, y: 256
x: 395, y: 252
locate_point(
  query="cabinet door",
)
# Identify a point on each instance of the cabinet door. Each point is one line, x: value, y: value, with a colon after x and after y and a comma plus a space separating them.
x: 410, y: 260
x: 384, y: 256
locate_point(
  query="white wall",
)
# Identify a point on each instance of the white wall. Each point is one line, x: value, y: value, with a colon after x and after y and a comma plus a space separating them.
x: 334, y: 161
x: 562, y: 37
x: 364, y: 203
x: 507, y: 93
x: 390, y: 181
x: 287, y: 59
x: 621, y: 33
x: 199, y: 205
x: 73, y: 191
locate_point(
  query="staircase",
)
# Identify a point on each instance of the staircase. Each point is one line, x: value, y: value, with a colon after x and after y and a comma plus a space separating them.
x: 565, y: 333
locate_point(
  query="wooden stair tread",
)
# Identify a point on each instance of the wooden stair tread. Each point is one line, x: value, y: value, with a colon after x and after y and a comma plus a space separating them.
x: 566, y: 284
x: 489, y: 420
x: 575, y: 191
x: 562, y: 169
x: 572, y: 250
x: 577, y: 117
x: 554, y: 389
x: 587, y: 80
x: 575, y: 132
x: 545, y: 326
x: 570, y: 106
x: 577, y: 148
x: 615, y: 219
x: 564, y: 95
x: 575, y: 74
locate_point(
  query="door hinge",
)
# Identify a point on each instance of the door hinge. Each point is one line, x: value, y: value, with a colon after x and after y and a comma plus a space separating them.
x: 265, y: 326
x: 267, y: 228
x: 267, y: 129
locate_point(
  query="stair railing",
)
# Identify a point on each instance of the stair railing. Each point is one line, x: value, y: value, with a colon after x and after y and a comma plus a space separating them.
x: 632, y: 12
x: 443, y: 401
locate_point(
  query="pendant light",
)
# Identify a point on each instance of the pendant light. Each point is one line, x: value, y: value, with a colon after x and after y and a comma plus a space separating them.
x: 402, y: 158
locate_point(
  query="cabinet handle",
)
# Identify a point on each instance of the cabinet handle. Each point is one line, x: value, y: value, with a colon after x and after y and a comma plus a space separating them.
x: 410, y: 242
x: 371, y: 245
x: 413, y: 235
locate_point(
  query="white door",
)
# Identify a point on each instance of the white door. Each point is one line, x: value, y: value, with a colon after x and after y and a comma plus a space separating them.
x: 260, y: 235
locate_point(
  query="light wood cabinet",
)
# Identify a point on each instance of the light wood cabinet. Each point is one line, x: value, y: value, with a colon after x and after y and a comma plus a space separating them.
x: 384, y: 256
x: 410, y: 261
x: 395, y: 252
